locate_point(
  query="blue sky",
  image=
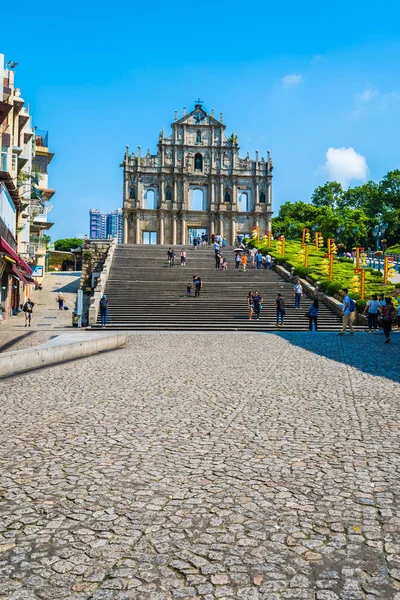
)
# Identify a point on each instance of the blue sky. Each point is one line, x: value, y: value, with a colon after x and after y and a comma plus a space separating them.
x: 294, y: 78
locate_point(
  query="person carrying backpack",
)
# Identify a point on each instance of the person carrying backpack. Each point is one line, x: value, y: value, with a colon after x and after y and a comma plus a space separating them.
x: 348, y: 312
x: 28, y: 309
x: 388, y: 313
x: 103, y: 310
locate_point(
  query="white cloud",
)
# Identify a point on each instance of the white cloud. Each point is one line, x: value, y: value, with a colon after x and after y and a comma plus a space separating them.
x: 292, y: 80
x: 344, y: 165
x: 317, y: 58
x: 367, y: 95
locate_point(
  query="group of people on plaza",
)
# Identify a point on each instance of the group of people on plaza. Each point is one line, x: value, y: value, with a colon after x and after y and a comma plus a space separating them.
x: 382, y: 313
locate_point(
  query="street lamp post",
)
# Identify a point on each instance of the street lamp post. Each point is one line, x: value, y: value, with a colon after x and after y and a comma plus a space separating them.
x: 378, y: 233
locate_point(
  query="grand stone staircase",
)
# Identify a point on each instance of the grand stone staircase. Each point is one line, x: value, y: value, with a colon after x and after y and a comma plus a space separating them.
x: 145, y: 294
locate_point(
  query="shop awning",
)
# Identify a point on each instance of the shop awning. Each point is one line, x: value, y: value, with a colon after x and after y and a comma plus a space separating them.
x: 18, y: 274
x: 6, y: 248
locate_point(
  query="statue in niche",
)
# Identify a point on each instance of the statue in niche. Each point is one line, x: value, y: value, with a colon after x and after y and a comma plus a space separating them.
x: 168, y: 156
x: 189, y: 162
x: 180, y: 134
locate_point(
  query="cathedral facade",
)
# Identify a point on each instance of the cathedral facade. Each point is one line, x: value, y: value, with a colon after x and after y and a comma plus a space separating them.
x: 197, y: 182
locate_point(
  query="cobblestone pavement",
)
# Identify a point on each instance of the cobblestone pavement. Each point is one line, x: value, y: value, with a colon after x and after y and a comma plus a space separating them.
x: 47, y: 319
x: 205, y: 467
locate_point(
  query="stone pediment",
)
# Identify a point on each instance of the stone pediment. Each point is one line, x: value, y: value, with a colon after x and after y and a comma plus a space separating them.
x: 198, y: 116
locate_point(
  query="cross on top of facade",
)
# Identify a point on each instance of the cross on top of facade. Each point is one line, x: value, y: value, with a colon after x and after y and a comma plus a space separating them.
x: 198, y: 102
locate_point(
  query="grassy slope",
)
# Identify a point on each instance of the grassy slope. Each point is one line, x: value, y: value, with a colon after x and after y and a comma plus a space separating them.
x: 343, y: 273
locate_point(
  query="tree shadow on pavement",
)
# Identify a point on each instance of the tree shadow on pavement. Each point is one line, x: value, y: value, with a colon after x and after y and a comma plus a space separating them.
x: 363, y: 351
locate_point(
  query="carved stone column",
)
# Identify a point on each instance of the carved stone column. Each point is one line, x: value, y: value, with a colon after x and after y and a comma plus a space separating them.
x: 221, y: 226
x: 175, y: 198
x: 212, y: 195
x: 161, y: 229
x: 125, y: 228
x: 212, y: 224
x: 162, y: 193
x: 233, y: 231
x: 139, y: 192
x: 221, y: 194
x: 183, y: 229
x: 234, y: 194
x: 269, y: 192
x: 185, y: 199
x: 138, y: 230
x: 257, y: 196
x: 174, y: 230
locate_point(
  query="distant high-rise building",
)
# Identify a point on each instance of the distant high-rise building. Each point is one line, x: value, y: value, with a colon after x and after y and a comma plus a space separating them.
x: 104, y: 226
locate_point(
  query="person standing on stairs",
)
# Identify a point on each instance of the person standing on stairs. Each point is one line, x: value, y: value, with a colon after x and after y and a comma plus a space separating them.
x: 280, y: 310
x: 313, y: 315
x: 257, y: 301
x: 217, y: 260
x: 183, y: 258
x: 198, y: 284
x: 237, y: 261
x: 298, y: 292
x: 171, y: 257
x: 259, y: 260
x: 103, y: 310
x: 250, y: 304
x: 244, y: 261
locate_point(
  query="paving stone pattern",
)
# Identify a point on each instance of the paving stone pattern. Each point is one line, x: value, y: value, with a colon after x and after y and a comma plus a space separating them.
x: 195, y: 466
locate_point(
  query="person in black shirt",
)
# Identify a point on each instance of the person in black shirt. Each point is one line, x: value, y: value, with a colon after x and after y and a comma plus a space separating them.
x: 28, y: 309
x: 257, y: 301
x: 198, y: 285
x: 280, y: 310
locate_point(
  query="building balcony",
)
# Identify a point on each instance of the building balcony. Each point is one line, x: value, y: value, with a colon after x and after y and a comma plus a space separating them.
x: 6, y: 178
x: 22, y: 121
x: 47, y: 193
x: 5, y: 108
x: 27, y: 136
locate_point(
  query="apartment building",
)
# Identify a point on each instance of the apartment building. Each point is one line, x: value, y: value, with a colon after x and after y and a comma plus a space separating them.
x: 105, y: 225
x: 24, y: 194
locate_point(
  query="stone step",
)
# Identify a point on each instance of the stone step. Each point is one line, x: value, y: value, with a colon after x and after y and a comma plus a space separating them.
x: 145, y: 294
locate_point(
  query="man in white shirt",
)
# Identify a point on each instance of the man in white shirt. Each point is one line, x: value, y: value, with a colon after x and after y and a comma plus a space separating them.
x: 347, y: 313
x: 298, y: 292
x: 268, y: 261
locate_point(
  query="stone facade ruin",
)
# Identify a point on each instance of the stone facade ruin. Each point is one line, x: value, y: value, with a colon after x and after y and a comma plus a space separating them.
x: 196, y: 182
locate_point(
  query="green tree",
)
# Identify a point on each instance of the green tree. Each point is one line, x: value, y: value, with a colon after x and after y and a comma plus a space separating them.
x: 66, y: 244
x: 367, y: 197
x: 390, y: 187
x: 47, y: 239
x: 329, y: 194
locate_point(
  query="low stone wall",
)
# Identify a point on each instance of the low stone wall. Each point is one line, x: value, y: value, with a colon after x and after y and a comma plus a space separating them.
x: 61, y: 349
x: 101, y: 285
x: 97, y: 257
x: 94, y: 254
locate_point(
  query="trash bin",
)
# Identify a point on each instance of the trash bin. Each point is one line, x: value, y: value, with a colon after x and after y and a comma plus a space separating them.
x: 75, y: 319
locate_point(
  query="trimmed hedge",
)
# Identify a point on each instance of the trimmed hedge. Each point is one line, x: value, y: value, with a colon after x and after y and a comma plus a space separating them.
x: 334, y: 288
x: 360, y: 304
